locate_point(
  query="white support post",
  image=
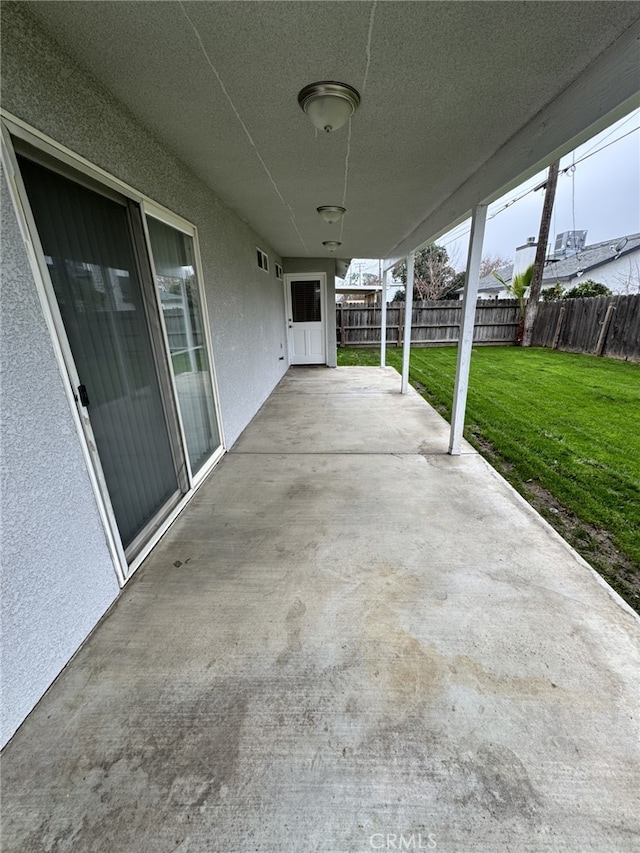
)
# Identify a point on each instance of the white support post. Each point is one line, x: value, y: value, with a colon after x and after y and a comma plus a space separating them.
x: 383, y: 319
x: 408, y: 311
x: 465, y: 341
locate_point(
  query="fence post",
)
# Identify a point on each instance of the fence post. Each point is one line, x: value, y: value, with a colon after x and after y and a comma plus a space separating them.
x: 343, y: 342
x: 605, y: 329
x: 400, y: 324
x: 556, y: 335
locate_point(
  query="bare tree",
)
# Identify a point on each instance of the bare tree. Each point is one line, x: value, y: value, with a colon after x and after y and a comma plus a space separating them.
x: 628, y: 283
x: 434, y: 276
x: 491, y: 263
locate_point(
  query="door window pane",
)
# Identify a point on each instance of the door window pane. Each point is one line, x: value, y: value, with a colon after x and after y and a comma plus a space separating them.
x: 305, y: 301
x: 88, y: 247
x: 180, y: 300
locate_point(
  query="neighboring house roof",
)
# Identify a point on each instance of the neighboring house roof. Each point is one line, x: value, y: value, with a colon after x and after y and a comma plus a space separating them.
x: 491, y: 283
x: 589, y: 258
x: 567, y: 268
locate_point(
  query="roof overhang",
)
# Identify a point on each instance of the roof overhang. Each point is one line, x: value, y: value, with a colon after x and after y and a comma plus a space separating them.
x: 460, y: 102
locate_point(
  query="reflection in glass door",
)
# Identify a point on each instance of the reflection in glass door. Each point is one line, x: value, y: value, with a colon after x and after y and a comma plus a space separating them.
x: 88, y: 245
x: 177, y: 285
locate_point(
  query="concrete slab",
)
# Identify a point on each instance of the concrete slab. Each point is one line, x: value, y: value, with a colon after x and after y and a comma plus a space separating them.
x: 361, y: 410
x: 343, y: 650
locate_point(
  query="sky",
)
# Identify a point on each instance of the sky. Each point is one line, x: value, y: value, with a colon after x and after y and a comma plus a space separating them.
x: 601, y: 195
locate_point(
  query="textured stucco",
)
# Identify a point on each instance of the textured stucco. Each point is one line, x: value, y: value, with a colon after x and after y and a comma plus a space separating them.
x: 44, y: 87
x: 328, y: 266
x: 58, y: 578
x: 57, y: 575
x: 445, y: 120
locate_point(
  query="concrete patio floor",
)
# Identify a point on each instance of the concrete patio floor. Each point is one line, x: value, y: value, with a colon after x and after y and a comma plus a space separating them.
x: 349, y: 641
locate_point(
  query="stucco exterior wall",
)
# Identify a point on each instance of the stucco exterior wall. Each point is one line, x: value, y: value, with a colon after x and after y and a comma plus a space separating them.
x: 328, y: 266
x: 58, y: 578
x: 45, y: 88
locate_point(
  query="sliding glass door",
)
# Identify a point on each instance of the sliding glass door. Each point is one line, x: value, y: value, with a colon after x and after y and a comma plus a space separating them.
x: 89, y: 242
x: 176, y: 280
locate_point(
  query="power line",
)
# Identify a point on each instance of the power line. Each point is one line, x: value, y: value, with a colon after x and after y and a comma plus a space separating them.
x: 614, y: 130
x: 568, y: 169
x: 598, y: 150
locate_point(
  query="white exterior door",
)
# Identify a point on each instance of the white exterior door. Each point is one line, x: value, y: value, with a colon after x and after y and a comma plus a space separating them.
x: 305, y: 318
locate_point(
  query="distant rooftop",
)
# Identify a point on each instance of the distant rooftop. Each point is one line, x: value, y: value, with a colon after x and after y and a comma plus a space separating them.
x: 559, y: 267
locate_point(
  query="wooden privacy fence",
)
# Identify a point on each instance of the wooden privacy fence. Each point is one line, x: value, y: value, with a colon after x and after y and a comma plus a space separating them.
x: 432, y: 323
x: 599, y: 325
x: 602, y: 325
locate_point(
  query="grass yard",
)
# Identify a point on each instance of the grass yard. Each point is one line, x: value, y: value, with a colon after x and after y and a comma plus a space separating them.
x: 564, y: 429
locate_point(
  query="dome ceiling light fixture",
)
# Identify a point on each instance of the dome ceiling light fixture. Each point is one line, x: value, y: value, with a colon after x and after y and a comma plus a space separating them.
x: 331, y: 213
x: 329, y: 105
x: 331, y: 245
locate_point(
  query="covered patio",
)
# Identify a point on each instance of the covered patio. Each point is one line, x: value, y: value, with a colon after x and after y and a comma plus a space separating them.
x: 348, y: 641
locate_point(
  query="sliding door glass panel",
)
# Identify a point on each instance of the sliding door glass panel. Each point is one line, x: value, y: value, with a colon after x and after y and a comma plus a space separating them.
x: 173, y: 257
x: 87, y: 242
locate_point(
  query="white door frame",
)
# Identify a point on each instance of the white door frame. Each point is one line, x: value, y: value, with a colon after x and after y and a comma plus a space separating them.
x: 306, y: 276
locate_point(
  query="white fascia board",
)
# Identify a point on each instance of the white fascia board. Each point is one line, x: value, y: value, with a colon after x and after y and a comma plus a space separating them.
x: 604, y: 92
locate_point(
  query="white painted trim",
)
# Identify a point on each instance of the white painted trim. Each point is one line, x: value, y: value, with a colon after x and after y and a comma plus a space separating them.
x: 165, y: 341
x: 602, y: 94
x: 208, y: 466
x: 157, y: 211
x: 190, y: 230
x: 465, y: 342
x: 306, y: 276
x: 324, y: 305
x: 408, y: 316
x: 208, y: 336
x: 264, y: 260
x: 18, y: 127
x: 21, y: 129
x: 383, y: 319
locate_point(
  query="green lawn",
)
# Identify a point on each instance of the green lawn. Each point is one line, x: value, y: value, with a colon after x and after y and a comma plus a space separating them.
x: 567, y: 423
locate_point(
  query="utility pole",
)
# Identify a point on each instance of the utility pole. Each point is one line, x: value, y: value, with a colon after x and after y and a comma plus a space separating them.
x: 531, y: 311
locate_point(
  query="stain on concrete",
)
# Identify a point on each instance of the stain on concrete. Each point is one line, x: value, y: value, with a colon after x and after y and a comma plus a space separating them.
x: 306, y: 684
x: 464, y: 670
x: 293, y: 624
x: 301, y: 491
x: 172, y: 757
x: 494, y: 778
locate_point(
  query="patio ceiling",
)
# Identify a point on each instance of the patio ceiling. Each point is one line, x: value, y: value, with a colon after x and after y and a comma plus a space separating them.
x: 459, y: 100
